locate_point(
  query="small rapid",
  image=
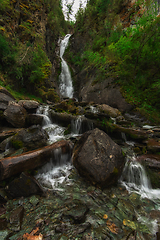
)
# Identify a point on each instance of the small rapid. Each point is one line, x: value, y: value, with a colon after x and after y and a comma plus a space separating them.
x: 65, y: 87
x: 135, y: 179
x: 57, y: 170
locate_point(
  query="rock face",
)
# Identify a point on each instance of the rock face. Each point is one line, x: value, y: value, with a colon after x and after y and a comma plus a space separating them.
x: 15, y: 114
x: 98, y: 158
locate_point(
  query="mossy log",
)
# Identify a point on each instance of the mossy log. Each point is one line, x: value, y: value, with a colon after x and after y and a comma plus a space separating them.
x: 30, y: 160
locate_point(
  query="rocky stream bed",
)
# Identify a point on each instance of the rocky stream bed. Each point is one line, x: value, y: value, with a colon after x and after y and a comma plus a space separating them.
x: 54, y: 201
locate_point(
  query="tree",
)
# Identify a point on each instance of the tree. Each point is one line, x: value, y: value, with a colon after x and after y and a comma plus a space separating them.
x: 69, y: 7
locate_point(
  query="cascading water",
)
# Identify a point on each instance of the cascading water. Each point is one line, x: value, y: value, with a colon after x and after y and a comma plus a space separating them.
x: 55, y: 132
x: 65, y: 87
x: 135, y: 179
x: 56, y: 171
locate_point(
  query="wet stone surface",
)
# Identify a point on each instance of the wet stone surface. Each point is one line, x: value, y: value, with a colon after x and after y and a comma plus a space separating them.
x: 79, y: 210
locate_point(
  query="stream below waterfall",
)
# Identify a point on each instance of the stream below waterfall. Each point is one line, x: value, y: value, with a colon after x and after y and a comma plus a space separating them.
x: 73, y: 209
x: 129, y: 206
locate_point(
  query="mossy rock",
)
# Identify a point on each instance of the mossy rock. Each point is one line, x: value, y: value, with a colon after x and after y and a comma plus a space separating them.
x: 51, y: 96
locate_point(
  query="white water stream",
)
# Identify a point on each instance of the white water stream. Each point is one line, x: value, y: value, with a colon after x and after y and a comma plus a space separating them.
x: 135, y: 179
x: 57, y: 170
x: 65, y: 87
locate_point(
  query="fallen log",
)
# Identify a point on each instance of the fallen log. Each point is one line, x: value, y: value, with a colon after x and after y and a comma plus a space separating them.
x: 31, y: 160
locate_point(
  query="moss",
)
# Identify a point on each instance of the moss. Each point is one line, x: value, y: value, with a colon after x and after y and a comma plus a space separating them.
x: 115, y: 171
x: 68, y: 130
x: 17, y: 144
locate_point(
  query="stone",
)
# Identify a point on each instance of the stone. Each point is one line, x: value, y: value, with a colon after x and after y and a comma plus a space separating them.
x: 97, y: 158
x: 15, y: 114
x: 34, y: 119
x: 24, y: 186
x: 77, y: 211
x: 29, y: 105
x: 112, y: 112
x: 31, y: 138
x: 16, y: 218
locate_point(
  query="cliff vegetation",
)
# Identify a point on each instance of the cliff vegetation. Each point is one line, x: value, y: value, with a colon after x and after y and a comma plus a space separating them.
x: 29, y: 33
x: 121, y: 40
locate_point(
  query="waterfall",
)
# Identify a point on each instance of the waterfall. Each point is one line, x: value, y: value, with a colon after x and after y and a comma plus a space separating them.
x: 65, y: 87
x: 135, y: 179
x: 55, y: 132
x: 56, y: 171
x: 81, y: 125
x: 76, y: 125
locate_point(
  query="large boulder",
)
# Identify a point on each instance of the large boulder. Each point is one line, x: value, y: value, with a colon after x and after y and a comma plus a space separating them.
x: 98, y: 158
x: 15, y: 114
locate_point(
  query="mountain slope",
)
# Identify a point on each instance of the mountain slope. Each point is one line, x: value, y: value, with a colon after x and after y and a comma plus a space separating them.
x: 116, y: 43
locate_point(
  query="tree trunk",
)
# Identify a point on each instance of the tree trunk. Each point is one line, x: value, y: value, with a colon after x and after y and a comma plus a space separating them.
x: 31, y: 160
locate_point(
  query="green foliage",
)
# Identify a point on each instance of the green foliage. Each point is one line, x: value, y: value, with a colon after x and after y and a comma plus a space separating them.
x: 26, y: 49
x: 7, y: 55
x: 4, y: 4
x: 130, y: 55
x: 138, y: 57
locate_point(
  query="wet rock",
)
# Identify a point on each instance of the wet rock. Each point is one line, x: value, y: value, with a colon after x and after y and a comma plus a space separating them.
x: 77, y: 211
x: 29, y: 105
x: 24, y: 186
x: 16, y: 218
x: 98, y: 158
x: 34, y: 119
x: 31, y: 138
x: 61, y: 118
x: 112, y: 112
x: 153, y: 145
x: 15, y: 114
x: 7, y: 133
x: 150, y: 160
